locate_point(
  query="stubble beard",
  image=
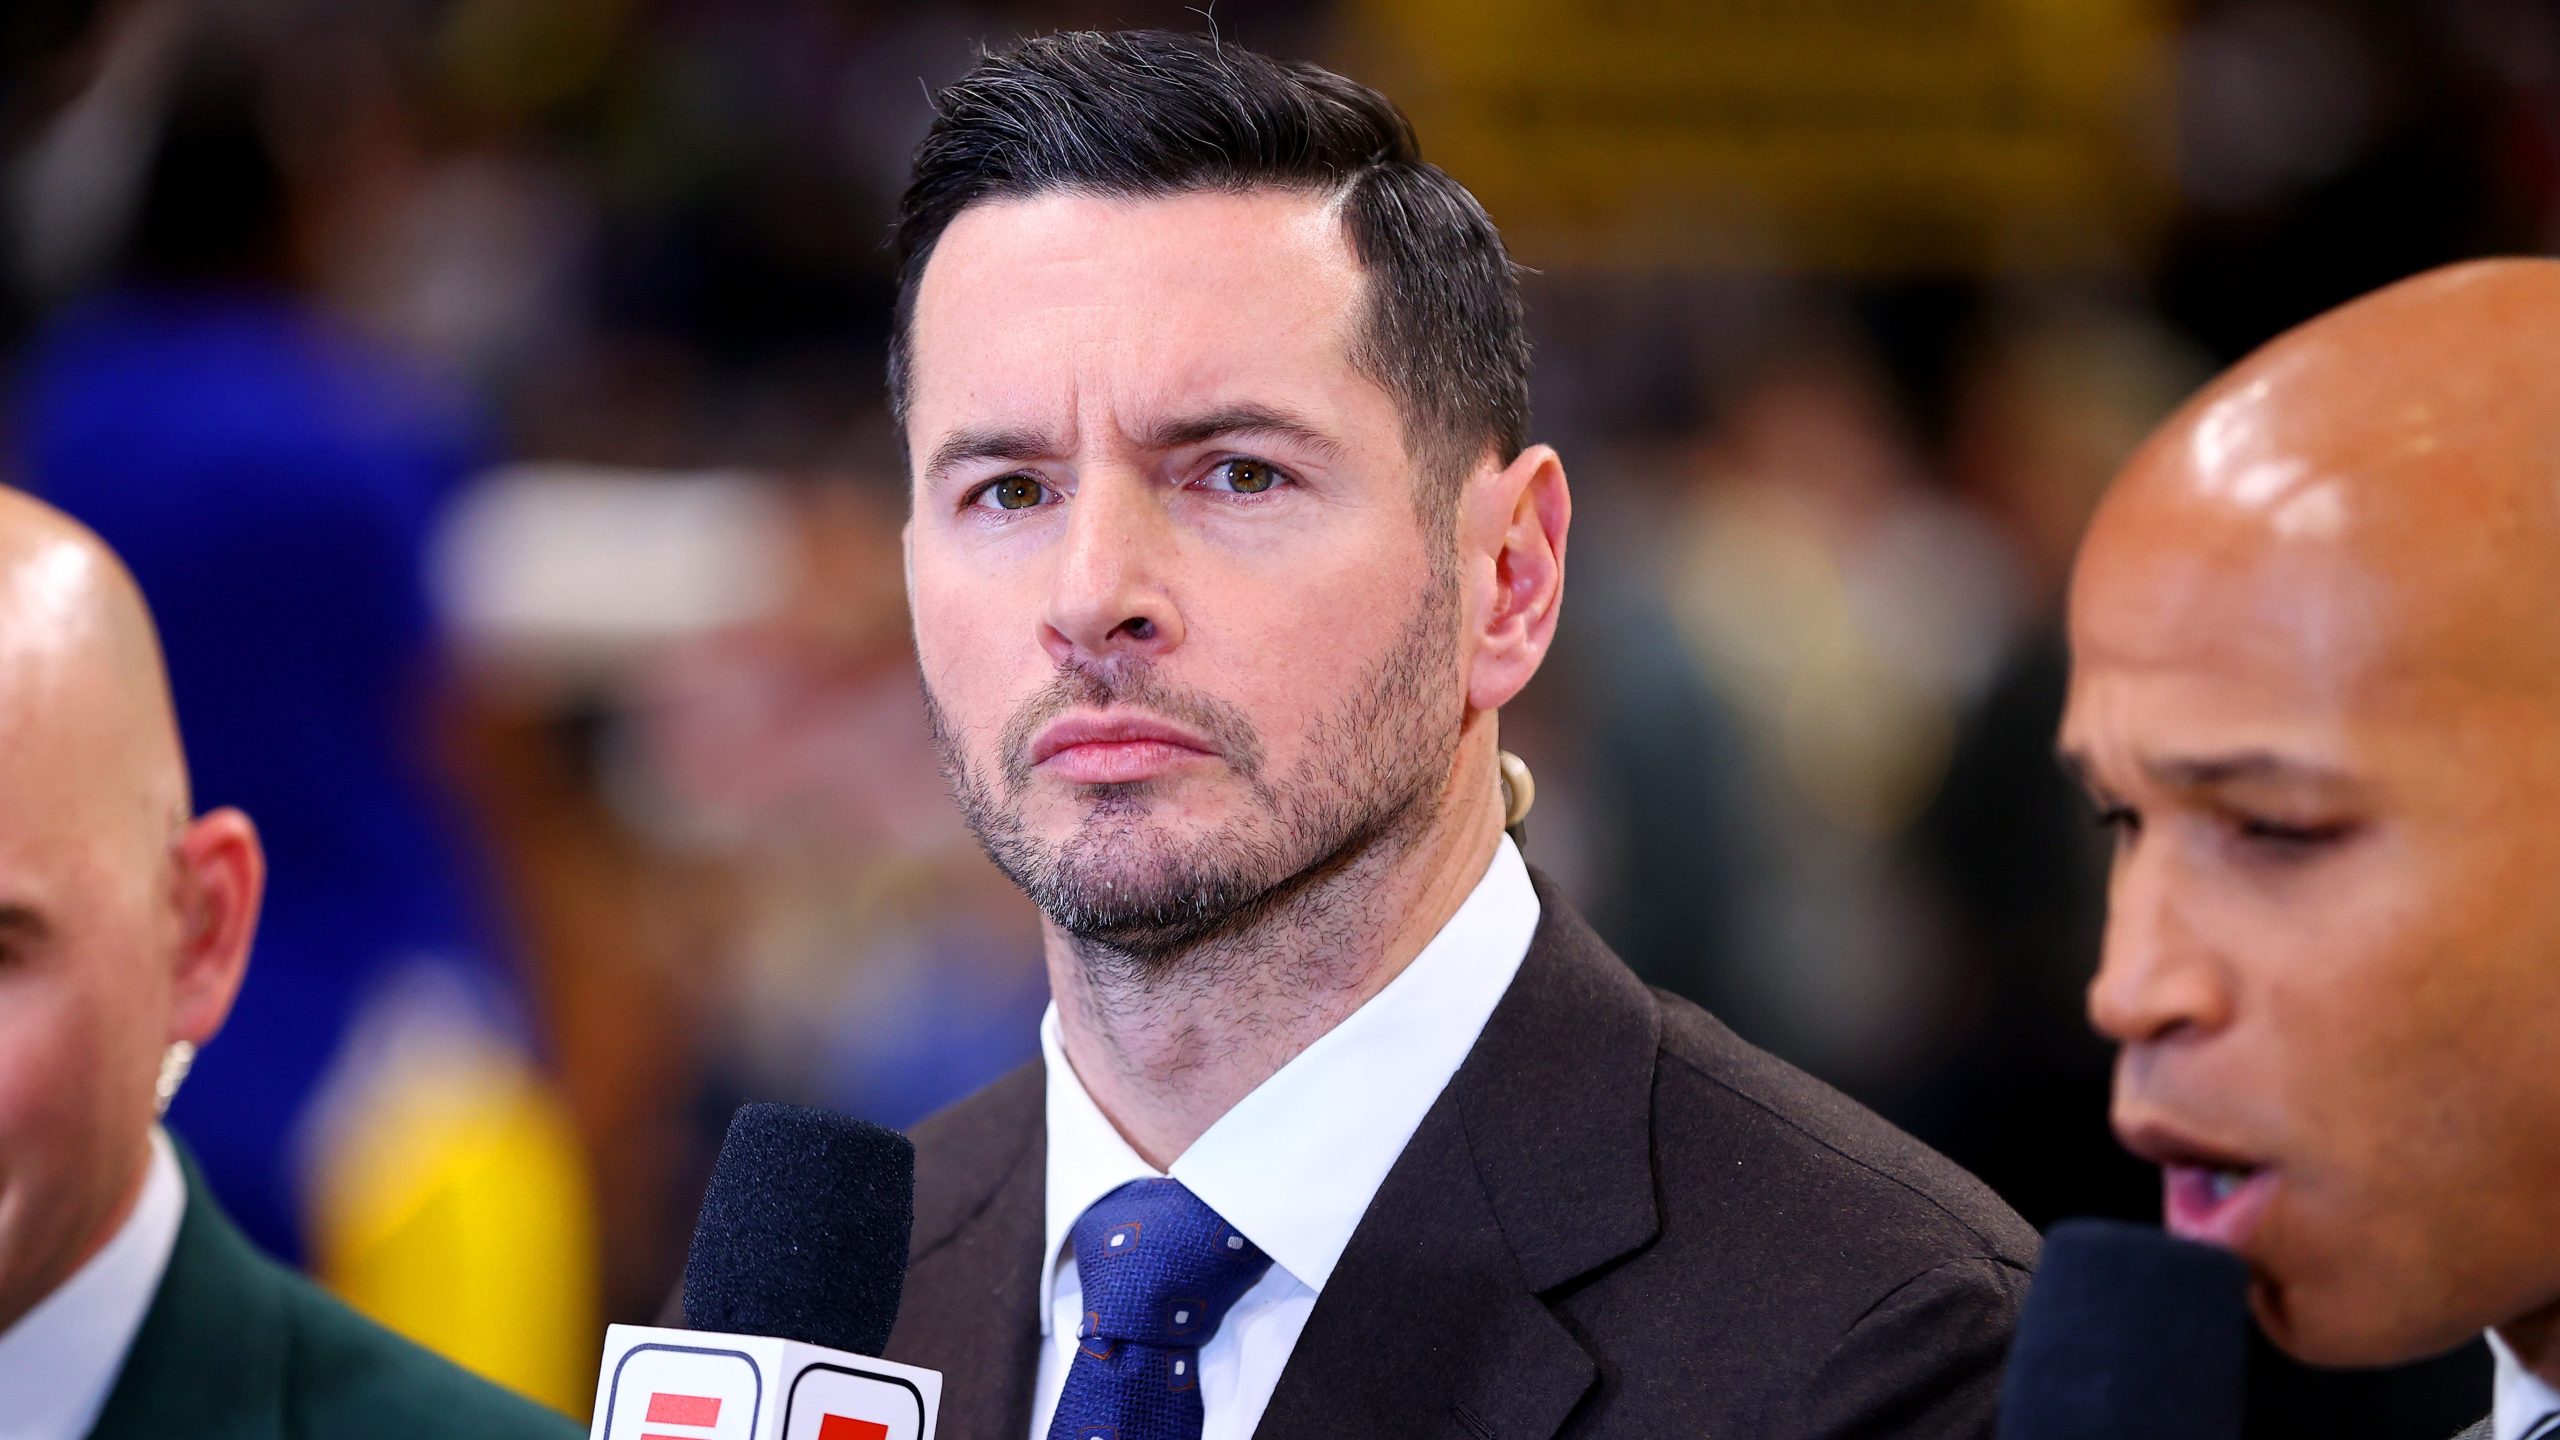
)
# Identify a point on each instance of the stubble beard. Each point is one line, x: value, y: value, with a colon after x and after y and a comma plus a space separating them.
x: 1135, y: 895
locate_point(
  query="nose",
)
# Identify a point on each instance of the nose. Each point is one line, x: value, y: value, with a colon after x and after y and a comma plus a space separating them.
x: 1108, y: 598
x: 2157, y: 978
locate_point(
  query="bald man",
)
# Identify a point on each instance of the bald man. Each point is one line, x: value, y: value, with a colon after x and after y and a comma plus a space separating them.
x: 129, y: 1306
x: 2315, y: 633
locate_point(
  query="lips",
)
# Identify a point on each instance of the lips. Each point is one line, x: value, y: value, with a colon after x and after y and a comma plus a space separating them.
x: 2209, y: 1194
x: 1114, y: 749
x: 2214, y: 1207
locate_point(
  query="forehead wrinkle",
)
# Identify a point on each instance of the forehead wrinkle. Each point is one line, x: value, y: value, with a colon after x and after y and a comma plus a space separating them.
x: 1247, y: 418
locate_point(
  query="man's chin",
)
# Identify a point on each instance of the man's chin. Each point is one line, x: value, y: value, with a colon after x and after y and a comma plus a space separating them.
x: 1149, y: 824
x: 1180, y: 797
x: 1128, y: 876
x: 1145, y: 920
x: 2346, y: 1331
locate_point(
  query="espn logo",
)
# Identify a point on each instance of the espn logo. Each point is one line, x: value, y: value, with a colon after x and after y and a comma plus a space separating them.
x: 702, y: 1413
x: 694, y: 1385
x: 688, y: 1410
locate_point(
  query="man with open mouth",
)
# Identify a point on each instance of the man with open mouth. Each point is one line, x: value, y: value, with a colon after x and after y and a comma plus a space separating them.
x: 2316, y: 695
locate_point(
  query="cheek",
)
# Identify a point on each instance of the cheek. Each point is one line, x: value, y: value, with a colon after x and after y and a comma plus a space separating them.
x: 2422, y: 974
x: 2389, y: 1034
x: 2405, y: 1044
x: 2459, y: 1047
x: 1289, y: 639
x: 2358, y: 1002
x: 972, y: 634
x: 63, y: 1073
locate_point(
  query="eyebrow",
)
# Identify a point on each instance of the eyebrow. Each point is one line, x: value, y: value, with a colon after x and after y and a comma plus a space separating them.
x: 2206, y: 771
x: 23, y: 921
x: 973, y: 444
x: 2074, y: 767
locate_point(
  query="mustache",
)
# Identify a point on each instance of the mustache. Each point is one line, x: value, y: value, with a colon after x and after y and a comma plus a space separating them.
x: 1132, y: 686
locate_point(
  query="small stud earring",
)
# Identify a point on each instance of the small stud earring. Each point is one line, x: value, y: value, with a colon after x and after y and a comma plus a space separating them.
x: 174, y: 1065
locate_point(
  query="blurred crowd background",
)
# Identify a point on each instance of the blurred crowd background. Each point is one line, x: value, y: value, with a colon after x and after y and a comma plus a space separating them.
x: 488, y: 397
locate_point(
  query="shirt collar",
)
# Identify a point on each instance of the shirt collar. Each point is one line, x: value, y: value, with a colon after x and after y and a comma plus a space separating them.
x: 1295, y: 1163
x: 2523, y: 1397
x: 60, y: 1361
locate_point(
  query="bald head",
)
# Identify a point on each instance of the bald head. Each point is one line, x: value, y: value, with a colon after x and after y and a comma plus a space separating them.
x: 2315, y: 632
x: 124, y: 923
x: 2396, y: 462
x: 84, y: 697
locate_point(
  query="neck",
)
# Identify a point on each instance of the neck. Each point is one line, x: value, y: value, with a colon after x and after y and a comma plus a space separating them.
x: 1168, y: 1048
x: 2535, y: 1339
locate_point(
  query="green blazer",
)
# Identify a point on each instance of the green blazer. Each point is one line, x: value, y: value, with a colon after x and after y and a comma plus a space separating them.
x: 237, y: 1347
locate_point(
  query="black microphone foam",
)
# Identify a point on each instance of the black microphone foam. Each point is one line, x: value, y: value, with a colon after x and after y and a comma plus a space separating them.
x: 2127, y: 1333
x: 803, y: 1232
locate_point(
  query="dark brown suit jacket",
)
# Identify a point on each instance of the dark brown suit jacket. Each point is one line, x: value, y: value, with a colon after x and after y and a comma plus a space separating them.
x: 1619, y: 1220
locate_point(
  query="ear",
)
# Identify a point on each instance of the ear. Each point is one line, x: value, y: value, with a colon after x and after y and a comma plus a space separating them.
x: 1522, y: 514
x: 221, y: 878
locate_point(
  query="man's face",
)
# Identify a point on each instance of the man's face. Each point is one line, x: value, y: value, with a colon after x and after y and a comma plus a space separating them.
x: 85, y: 1000
x: 2332, y: 953
x: 1184, y: 631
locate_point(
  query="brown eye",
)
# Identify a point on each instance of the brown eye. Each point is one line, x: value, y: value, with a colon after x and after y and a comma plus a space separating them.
x: 1017, y: 492
x: 1248, y: 477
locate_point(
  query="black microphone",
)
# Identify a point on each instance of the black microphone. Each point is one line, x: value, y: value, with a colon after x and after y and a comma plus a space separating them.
x: 803, y: 1232
x: 2128, y: 1333
x: 790, y: 1291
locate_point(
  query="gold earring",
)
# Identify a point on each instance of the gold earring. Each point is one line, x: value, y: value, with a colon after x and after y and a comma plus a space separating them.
x: 175, y: 1062
x: 1519, y: 791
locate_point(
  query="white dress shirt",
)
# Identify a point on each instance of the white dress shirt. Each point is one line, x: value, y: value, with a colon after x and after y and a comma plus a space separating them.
x: 1294, y: 1164
x: 2524, y: 1399
x: 60, y: 1362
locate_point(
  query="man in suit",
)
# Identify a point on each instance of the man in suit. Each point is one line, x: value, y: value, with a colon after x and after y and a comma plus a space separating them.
x: 2315, y: 632
x: 1227, y: 546
x: 130, y: 1307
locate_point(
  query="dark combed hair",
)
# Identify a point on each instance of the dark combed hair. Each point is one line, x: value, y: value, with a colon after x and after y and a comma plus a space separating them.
x: 1150, y: 113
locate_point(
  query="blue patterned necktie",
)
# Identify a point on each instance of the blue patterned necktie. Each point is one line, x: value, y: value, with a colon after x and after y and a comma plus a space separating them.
x: 1159, y: 1271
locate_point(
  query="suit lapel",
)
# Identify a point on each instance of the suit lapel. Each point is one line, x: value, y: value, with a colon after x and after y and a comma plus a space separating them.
x: 1532, y: 1169
x: 209, y: 1361
x: 972, y: 1310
